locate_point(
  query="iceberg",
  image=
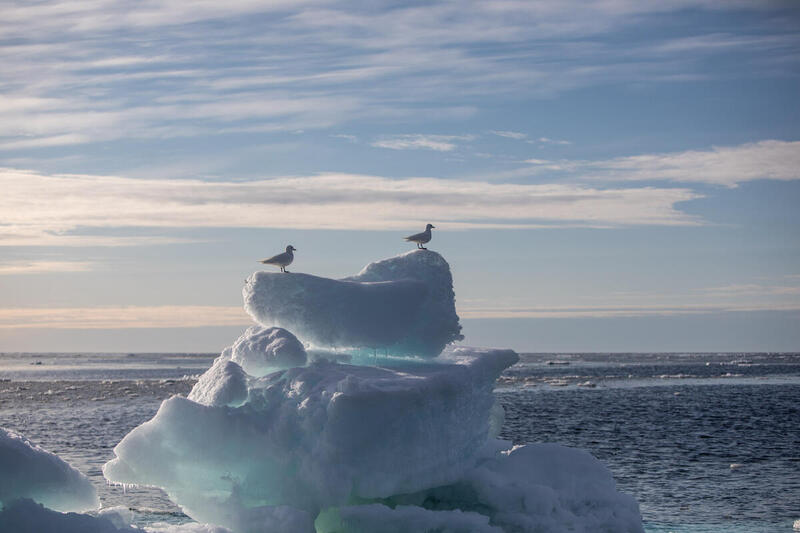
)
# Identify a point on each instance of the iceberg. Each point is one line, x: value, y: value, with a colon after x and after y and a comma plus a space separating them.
x: 311, y: 437
x: 404, y: 305
x: 277, y: 437
x: 30, y: 472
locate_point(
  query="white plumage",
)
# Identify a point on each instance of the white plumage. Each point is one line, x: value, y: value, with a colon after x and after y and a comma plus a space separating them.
x: 421, y: 238
x: 282, y: 260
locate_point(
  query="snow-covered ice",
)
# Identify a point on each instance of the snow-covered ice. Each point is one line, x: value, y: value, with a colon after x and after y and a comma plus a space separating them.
x: 27, y: 516
x: 404, y: 304
x: 225, y: 383
x: 542, y: 488
x: 276, y: 438
x: 374, y: 517
x: 317, y: 436
x: 28, y: 471
x: 260, y: 350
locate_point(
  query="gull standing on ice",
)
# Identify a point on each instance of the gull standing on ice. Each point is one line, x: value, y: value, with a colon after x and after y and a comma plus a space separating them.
x: 421, y: 238
x: 282, y: 260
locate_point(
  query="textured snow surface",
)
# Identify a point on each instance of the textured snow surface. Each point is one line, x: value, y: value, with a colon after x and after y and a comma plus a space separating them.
x: 27, y: 516
x: 225, y: 383
x: 317, y: 436
x: 541, y: 488
x: 372, y: 518
x: 404, y: 304
x: 28, y: 471
x: 260, y: 350
x: 551, y: 488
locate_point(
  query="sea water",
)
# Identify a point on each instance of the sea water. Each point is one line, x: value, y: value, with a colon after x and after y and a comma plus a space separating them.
x: 705, y: 442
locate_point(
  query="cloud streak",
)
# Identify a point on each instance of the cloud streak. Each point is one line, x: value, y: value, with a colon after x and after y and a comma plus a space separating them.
x: 723, y: 165
x: 131, y: 317
x: 438, y: 143
x: 630, y: 311
x: 42, y: 267
x: 38, y: 208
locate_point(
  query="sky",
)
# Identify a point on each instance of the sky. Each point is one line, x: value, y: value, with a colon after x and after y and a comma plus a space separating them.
x: 608, y: 175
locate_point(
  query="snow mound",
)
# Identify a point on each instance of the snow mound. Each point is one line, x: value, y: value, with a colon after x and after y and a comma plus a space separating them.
x: 260, y: 350
x: 27, y: 516
x: 551, y: 488
x: 537, y: 488
x: 314, y: 437
x: 402, y: 519
x: 404, y: 304
x: 28, y: 471
x: 225, y: 383
x: 548, y: 488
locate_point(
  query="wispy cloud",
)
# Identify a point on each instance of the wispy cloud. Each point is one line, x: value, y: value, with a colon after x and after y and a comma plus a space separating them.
x: 629, y: 311
x: 752, y: 289
x: 510, y: 134
x: 323, y: 64
x: 438, y: 143
x: 346, y: 137
x: 41, y: 267
x: 776, y: 294
x: 725, y: 165
x: 37, y: 208
x: 166, y: 316
x: 547, y: 140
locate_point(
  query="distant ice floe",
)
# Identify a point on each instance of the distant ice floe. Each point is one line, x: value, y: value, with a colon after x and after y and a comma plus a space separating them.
x: 28, y: 471
x: 404, y: 305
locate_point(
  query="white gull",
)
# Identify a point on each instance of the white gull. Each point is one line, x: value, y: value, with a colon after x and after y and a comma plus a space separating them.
x: 421, y: 238
x: 283, y: 260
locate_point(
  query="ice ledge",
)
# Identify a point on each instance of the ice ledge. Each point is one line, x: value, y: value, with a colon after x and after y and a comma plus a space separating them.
x: 404, y: 305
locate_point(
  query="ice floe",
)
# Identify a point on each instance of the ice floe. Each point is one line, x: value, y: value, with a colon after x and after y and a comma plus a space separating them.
x: 28, y: 471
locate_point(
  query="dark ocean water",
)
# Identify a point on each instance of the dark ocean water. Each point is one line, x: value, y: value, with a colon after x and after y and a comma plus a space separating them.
x: 705, y: 442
